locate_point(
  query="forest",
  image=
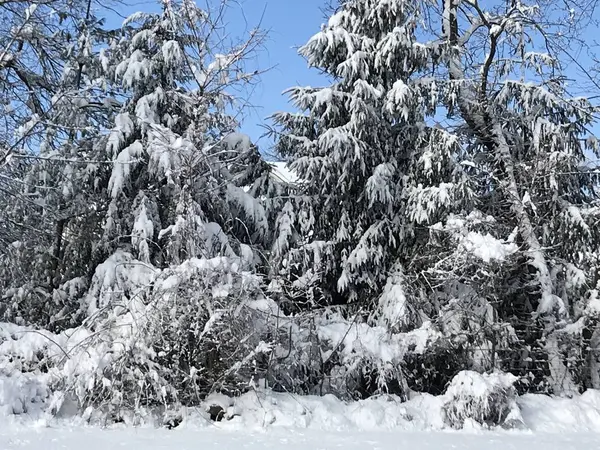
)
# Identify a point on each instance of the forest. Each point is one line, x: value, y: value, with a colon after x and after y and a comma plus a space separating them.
x: 427, y: 219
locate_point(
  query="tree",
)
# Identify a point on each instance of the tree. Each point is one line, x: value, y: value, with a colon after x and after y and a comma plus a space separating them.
x: 181, y: 228
x: 49, y: 175
x: 481, y: 221
x: 176, y: 187
x: 533, y: 135
x: 148, y: 201
x: 358, y: 149
x: 161, y: 86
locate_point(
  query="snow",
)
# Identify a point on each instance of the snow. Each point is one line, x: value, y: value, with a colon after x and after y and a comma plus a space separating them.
x: 123, y: 129
x: 593, y: 305
x: 495, y: 30
x: 134, y: 69
x: 476, y: 385
x: 282, y: 171
x: 393, y: 304
x: 142, y: 233
x: 214, y: 438
x: 251, y: 207
x: 397, y: 99
x: 120, y: 270
x: 482, y: 246
x: 487, y: 247
x: 171, y: 53
x: 329, y: 414
x: 275, y: 421
x: 374, y: 342
x: 561, y: 415
x: 473, y: 399
x: 262, y: 419
x: 19, y: 393
x: 379, y: 184
x: 121, y: 169
x: 238, y: 141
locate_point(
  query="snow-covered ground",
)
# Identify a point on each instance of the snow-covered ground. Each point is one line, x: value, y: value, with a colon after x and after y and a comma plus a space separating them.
x: 279, y: 421
x: 33, y: 417
x: 214, y: 438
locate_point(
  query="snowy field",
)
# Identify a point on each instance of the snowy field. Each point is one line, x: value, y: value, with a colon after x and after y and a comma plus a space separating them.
x: 205, y: 439
x: 279, y: 421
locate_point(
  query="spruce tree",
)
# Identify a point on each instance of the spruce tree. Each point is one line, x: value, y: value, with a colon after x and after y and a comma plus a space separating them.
x: 181, y: 228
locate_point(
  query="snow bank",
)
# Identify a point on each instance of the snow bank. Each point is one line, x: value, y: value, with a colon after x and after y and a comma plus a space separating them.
x: 558, y: 415
x: 22, y: 394
x: 423, y: 412
x: 260, y: 409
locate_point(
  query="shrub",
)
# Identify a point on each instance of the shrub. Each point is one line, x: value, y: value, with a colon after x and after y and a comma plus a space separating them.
x: 487, y: 399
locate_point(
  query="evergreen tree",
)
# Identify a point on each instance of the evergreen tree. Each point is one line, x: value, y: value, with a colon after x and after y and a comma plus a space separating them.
x: 176, y: 188
x: 180, y: 230
x: 373, y: 170
x: 166, y: 183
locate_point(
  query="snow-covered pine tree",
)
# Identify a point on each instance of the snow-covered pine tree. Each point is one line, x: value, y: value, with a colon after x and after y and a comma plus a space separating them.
x: 373, y: 171
x: 482, y: 222
x: 376, y: 173
x: 177, y: 185
x: 146, y: 197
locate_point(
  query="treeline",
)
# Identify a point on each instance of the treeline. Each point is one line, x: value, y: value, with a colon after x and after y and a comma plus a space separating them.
x: 443, y: 214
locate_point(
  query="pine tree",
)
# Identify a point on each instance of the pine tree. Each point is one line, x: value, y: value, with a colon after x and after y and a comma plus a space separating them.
x: 181, y: 228
x: 374, y: 172
x: 162, y: 90
x: 176, y: 187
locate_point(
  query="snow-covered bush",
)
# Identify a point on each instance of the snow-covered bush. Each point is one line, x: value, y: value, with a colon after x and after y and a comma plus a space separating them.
x: 487, y: 399
x: 25, y: 357
x: 331, y: 354
x: 431, y: 371
x: 187, y: 331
